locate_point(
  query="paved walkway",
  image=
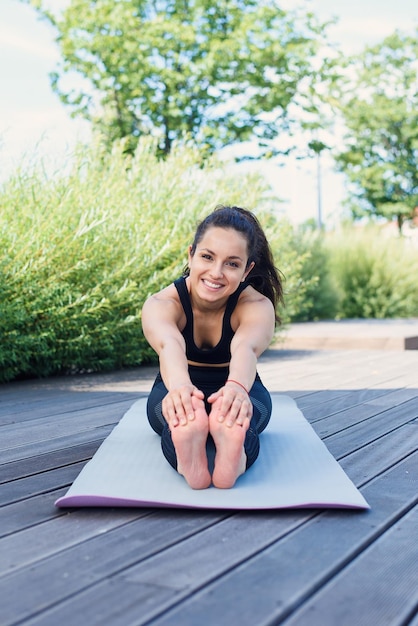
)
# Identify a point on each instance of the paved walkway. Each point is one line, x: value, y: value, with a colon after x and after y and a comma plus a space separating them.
x: 370, y: 334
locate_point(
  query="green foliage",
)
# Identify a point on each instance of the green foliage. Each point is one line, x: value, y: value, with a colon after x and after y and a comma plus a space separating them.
x: 380, y: 110
x: 319, y: 299
x: 376, y: 276
x: 290, y: 257
x: 218, y: 72
x: 80, y: 253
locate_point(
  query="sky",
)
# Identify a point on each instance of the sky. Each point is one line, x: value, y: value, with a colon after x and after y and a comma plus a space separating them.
x: 34, y: 124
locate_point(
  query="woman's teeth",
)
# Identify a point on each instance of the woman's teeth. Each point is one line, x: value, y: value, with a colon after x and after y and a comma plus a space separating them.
x: 212, y: 285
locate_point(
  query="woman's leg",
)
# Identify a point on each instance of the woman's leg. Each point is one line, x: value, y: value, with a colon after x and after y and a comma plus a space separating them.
x: 154, y: 406
x: 184, y: 447
x: 230, y: 458
x: 189, y: 442
x: 237, y: 448
x: 262, y: 406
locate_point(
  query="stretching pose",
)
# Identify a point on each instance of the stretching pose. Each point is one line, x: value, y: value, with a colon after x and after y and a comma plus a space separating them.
x: 208, y: 329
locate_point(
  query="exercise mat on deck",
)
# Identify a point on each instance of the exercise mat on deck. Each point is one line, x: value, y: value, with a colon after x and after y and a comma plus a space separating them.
x: 294, y: 469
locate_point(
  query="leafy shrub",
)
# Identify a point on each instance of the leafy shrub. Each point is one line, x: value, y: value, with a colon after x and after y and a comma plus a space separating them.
x: 319, y: 299
x: 376, y: 276
x: 81, y: 252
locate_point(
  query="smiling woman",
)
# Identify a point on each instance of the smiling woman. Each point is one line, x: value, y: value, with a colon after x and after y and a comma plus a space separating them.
x: 208, y: 328
x: 216, y: 272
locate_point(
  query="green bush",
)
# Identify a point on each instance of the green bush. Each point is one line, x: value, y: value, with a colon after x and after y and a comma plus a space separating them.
x: 319, y: 298
x: 375, y: 275
x: 81, y: 252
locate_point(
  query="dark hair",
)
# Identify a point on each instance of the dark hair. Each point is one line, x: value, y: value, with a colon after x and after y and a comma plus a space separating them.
x: 264, y: 276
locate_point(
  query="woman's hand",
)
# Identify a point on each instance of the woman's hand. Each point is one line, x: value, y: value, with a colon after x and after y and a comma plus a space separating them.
x: 233, y: 404
x: 177, y: 405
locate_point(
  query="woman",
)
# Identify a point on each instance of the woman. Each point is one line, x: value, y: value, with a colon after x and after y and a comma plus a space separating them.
x: 208, y: 329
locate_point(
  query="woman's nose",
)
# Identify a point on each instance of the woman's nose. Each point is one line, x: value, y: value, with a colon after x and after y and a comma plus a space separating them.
x: 216, y: 271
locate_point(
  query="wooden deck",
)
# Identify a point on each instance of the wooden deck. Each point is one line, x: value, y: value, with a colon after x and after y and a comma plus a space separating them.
x: 173, y: 567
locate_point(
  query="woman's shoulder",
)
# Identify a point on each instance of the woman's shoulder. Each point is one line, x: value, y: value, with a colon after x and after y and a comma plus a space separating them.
x: 252, y: 302
x: 166, y: 299
x: 250, y: 295
x: 162, y: 316
x: 169, y: 293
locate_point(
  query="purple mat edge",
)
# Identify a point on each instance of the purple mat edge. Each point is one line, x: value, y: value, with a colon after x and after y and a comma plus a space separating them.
x: 108, y: 501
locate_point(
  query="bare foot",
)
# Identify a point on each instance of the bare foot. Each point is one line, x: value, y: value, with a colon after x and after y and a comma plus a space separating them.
x: 230, y: 459
x: 190, y: 445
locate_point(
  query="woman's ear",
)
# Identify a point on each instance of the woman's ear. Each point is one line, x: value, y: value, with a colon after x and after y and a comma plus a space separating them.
x: 250, y: 267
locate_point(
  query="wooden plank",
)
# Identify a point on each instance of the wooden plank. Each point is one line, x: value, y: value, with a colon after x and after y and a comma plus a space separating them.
x: 123, y: 585
x: 337, y: 370
x: 321, y: 370
x: 72, y: 454
x: 317, y: 398
x: 365, y: 415
x: 381, y: 454
x: 130, y: 380
x: 344, y: 367
x: 45, y: 428
x: 377, y: 454
x: 48, y: 404
x: 41, y: 483
x: 127, y: 575
x: 380, y: 391
x: 332, y: 406
x: 379, y: 587
x: 24, y: 548
x: 213, y: 576
x: 29, y: 512
x: 327, y: 402
x: 371, y: 429
x: 268, y: 587
x: 30, y: 450
x: 44, y: 462
x: 52, y: 579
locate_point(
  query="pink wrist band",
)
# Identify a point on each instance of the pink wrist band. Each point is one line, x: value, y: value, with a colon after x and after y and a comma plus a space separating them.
x: 231, y: 380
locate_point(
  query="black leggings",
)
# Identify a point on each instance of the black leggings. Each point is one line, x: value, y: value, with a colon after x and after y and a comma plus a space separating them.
x: 209, y: 380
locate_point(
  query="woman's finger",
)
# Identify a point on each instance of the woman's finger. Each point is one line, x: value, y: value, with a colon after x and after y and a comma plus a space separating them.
x: 178, y: 407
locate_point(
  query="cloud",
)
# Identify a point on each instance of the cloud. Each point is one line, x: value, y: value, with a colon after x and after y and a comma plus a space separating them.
x: 369, y: 29
x: 12, y: 41
x: 46, y: 136
x: 27, y: 125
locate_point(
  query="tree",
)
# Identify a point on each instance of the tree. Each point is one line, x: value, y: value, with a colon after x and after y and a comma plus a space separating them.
x: 219, y: 72
x: 380, y: 110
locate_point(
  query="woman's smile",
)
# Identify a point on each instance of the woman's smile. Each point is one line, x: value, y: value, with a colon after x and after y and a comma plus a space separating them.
x: 211, y: 284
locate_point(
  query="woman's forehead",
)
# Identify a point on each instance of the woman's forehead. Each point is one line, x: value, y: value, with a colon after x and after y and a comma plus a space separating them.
x: 218, y: 236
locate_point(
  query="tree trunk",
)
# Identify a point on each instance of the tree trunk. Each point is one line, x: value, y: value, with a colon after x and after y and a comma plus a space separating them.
x: 400, y: 221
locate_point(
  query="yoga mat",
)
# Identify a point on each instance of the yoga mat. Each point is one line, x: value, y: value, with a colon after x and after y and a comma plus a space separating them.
x: 294, y: 470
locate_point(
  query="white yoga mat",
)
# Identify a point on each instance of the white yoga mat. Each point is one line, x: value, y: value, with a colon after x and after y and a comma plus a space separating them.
x: 294, y: 470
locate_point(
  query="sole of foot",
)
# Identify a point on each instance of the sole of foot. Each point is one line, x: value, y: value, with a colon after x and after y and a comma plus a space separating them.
x: 190, y: 445
x: 230, y: 458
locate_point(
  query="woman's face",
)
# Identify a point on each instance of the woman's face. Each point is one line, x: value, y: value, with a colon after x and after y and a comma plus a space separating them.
x: 218, y: 264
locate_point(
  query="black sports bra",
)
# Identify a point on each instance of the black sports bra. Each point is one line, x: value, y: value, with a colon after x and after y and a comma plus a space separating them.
x: 221, y: 353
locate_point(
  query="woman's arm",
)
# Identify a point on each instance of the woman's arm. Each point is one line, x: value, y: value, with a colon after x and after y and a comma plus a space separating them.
x: 253, y: 335
x: 160, y: 318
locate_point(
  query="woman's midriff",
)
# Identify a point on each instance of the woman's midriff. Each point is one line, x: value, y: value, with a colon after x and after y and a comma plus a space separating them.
x: 194, y: 363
